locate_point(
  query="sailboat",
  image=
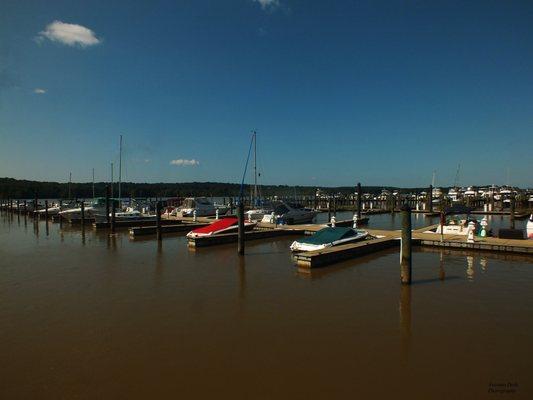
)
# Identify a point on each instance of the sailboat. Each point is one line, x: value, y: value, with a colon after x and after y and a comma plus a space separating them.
x: 261, y: 209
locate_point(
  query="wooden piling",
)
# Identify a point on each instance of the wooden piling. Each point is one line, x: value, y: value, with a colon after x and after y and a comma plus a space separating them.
x: 158, y: 220
x: 430, y: 197
x: 359, y: 200
x: 82, y: 214
x: 107, y: 190
x: 511, y: 211
x: 35, y: 205
x: 113, y: 210
x: 240, y: 211
x: 405, y: 251
x: 46, y: 210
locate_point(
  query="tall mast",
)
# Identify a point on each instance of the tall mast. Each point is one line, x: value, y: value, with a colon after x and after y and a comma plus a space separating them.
x: 93, y: 183
x: 120, y: 167
x: 255, y: 168
x: 456, y: 182
x: 111, y: 179
x: 69, y: 183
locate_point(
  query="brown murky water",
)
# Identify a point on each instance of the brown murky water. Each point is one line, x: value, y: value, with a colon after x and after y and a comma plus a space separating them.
x: 89, y: 317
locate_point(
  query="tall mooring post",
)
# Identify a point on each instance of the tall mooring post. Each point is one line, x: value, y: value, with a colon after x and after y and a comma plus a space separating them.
x: 107, y: 191
x: 511, y: 211
x: 46, y: 210
x: 430, y: 199
x: 158, y: 220
x: 82, y: 214
x: 405, y: 250
x: 359, y: 200
x: 113, y: 211
x: 59, y: 216
x: 240, y: 212
x: 35, y: 205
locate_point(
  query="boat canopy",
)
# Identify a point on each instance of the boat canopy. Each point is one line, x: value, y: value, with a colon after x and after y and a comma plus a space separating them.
x: 458, y: 209
x: 217, y: 225
x: 329, y: 235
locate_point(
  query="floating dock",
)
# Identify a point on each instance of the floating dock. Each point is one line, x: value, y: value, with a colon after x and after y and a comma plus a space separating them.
x: 386, y: 239
x: 225, y: 238
x: 168, y: 228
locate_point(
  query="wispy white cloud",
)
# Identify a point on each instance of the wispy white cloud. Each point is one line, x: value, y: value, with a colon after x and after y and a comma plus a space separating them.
x: 39, y: 91
x: 268, y: 4
x: 69, y: 34
x: 183, y: 162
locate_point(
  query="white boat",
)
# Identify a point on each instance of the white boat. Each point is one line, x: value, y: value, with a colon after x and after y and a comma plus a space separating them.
x: 328, y: 237
x: 290, y: 214
x: 201, y: 205
x: 529, y: 227
x: 98, y: 206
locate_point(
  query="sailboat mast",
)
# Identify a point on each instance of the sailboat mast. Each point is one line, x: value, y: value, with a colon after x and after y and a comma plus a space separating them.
x: 93, y: 183
x: 120, y: 167
x: 255, y: 168
x: 69, y: 183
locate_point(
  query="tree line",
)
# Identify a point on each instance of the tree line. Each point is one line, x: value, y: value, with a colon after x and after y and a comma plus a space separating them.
x: 26, y: 189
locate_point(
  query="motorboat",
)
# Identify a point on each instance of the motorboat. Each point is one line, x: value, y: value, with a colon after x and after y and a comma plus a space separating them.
x: 328, y: 237
x: 258, y: 213
x: 454, y: 195
x: 459, y: 221
x: 201, y: 205
x: 529, y: 227
x: 98, y: 206
x: 137, y: 210
x: 290, y: 213
x: 224, y: 225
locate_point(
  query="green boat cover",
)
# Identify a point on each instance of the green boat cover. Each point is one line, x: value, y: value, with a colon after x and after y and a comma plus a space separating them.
x: 328, y: 235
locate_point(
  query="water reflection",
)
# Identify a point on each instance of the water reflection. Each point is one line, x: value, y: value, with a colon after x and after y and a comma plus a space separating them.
x: 242, y: 281
x: 442, y: 272
x: 470, y: 268
x: 159, y: 264
x: 405, y: 320
x: 483, y: 264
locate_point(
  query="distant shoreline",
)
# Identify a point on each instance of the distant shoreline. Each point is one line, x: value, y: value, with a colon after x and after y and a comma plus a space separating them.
x: 21, y: 188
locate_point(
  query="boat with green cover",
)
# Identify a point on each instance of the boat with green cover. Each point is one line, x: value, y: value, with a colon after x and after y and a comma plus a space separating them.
x: 328, y: 237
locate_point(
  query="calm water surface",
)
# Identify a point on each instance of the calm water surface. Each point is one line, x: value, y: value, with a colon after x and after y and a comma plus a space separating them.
x: 91, y: 316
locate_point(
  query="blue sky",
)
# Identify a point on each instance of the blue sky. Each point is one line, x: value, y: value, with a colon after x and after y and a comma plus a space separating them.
x: 338, y: 91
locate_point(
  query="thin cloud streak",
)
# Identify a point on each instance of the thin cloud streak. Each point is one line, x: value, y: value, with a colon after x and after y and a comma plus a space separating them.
x: 184, y: 162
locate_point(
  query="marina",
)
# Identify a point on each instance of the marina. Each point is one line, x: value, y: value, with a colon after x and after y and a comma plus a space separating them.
x: 266, y: 200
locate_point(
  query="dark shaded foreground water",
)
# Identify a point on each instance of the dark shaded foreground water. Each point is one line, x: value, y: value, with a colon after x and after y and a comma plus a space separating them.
x: 89, y: 316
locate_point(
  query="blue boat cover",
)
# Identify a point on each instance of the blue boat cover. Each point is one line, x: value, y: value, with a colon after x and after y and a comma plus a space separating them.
x: 329, y: 235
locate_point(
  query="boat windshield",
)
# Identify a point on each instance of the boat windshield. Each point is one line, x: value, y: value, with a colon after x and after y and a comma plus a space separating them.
x: 281, y: 209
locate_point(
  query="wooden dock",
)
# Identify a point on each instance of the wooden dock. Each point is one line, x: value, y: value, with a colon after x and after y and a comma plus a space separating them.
x: 168, y: 228
x: 386, y: 239
x: 319, y: 258
x: 250, y: 235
